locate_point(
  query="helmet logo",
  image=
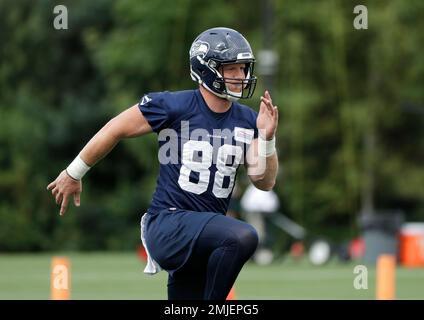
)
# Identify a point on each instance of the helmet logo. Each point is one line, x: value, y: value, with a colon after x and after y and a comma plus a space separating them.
x: 199, y: 48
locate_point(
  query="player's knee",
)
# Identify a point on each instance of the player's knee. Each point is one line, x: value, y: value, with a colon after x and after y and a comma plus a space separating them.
x: 249, y: 239
x: 245, y: 240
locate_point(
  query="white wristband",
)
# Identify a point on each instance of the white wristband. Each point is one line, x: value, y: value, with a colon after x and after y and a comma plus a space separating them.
x: 77, y: 169
x: 266, y: 148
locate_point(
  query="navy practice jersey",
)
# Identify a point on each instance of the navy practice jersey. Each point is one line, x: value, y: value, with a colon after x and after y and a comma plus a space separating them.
x: 199, y: 150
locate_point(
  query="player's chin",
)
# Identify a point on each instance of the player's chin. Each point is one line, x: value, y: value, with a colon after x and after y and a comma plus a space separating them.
x: 235, y: 88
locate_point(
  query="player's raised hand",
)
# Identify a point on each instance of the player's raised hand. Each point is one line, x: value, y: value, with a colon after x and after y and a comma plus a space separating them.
x: 267, y: 120
x: 63, y: 188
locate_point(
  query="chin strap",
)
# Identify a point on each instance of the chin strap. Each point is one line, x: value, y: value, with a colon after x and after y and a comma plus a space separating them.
x: 223, y: 96
x: 233, y: 96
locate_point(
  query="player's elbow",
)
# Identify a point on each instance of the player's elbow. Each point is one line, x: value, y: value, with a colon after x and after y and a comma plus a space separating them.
x: 269, y: 186
x: 265, y: 185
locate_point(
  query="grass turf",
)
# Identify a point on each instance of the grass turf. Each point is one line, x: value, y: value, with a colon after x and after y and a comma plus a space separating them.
x: 120, y: 276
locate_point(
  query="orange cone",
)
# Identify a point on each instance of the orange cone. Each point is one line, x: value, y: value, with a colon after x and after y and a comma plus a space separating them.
x: 232, y: 294
x: 60, y: 279
x: 386, y: 268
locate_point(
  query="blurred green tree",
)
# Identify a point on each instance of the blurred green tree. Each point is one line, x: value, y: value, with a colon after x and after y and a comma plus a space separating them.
x: 351, y: 109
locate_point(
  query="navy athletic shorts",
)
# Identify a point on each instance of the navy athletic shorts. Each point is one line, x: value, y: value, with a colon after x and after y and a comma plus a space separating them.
x: 171, y: 235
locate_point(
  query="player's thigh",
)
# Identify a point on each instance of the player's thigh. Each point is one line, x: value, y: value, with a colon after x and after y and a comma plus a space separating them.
x: 221, y: 231
x: 189, y: 281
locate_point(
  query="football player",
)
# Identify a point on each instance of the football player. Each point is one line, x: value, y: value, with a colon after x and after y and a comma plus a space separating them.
x: 204, y: 136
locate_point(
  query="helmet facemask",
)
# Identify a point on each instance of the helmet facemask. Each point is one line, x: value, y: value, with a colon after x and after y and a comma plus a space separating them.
x: 223, y: 83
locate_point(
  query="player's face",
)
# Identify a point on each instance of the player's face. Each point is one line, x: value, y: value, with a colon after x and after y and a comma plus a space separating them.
x: 236, y: 72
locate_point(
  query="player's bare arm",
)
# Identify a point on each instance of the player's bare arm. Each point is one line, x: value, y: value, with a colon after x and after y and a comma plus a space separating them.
x: 130, y: 123
x: 263, y: 171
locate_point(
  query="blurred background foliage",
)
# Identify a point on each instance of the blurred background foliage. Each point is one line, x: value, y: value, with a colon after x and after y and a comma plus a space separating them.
x: 351, y: 109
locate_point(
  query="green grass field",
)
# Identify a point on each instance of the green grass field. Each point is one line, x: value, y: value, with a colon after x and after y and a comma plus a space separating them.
x: 120, y: 276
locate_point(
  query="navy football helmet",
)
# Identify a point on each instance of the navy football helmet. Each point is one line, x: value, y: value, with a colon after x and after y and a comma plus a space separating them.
x: 216, y: 47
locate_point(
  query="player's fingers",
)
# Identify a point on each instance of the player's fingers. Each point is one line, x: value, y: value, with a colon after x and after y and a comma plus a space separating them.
x: 266, y: 101
x: 51, y: 185
x: 77, y: 199
x: 262, y: 107
x: 276, y: 116
x: 64, y: 205
x: 59, y: 197
x: 268, y: 105
x: 268, y: 96
x: 273, y: 111
x: 55, y: 191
